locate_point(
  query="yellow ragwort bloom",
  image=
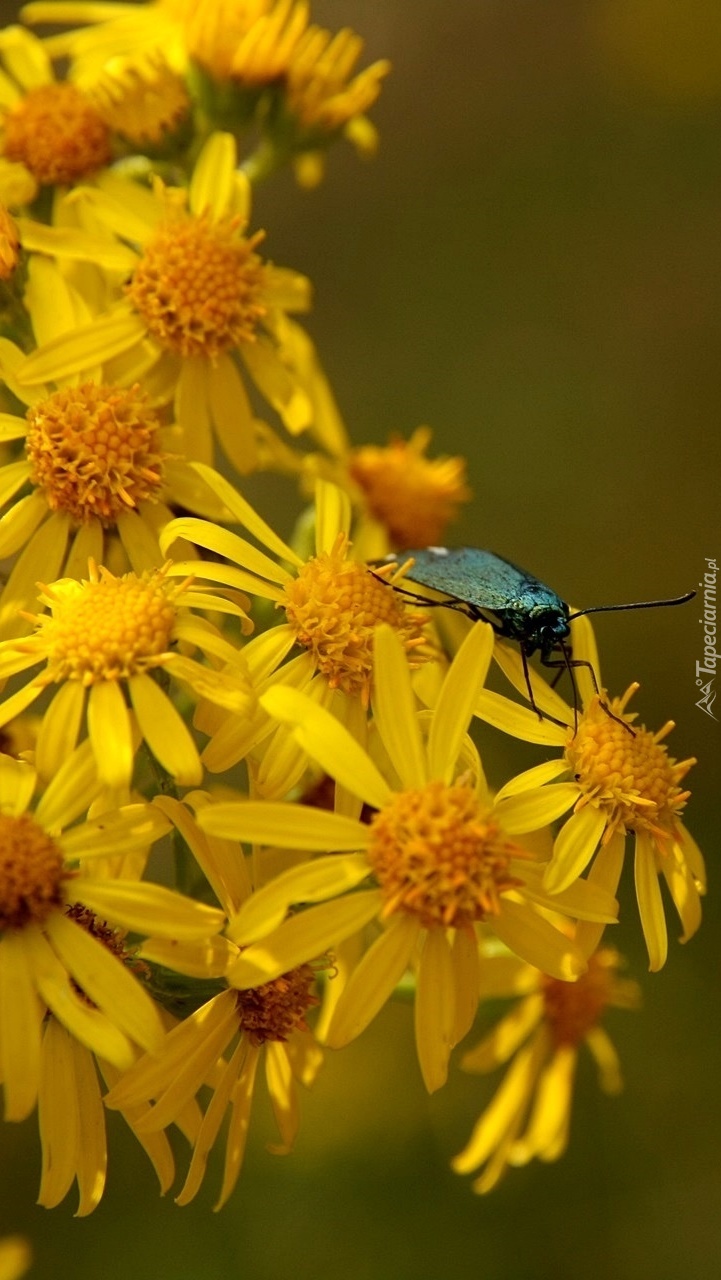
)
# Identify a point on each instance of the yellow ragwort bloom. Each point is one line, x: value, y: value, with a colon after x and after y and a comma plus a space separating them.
x: 57, y: 919
x: 322, y: 98
x: 530, y: 1114
x: 442, y: 861
x: 48, y: 127
x: 198, y: 302
x: 332, y: 605
x: 101, y: 469
x: 413, y: 498
x: 618, y: 779
x: 100, y: 642
x: 269, y: 1020
x: 250, y: 40
x: 142, y: 99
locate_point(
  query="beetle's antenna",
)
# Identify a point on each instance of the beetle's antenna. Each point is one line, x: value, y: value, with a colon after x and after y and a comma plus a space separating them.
x: 641, y: 604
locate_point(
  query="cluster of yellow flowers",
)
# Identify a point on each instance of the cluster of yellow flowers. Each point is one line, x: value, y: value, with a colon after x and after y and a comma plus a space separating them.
x: 278, y: 725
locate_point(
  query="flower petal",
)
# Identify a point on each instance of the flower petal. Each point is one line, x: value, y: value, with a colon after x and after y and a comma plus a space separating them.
x: 531, y: 810
x: 458, y: 696
x: 574, y: 846
x: 149, y: 908
x: 245, y: 515
x: 538, y: 776
x: 90, y: 1025
x: 650, y: 902
x: 232, y: 415
x: 310, y: 882
x: 73, y: 786
x: 304, y: 937
x: 21, y: 1015
x: 108, y: 335
x: 212, y: 181
x: 332, y: 515
x: 60, y: 728
x: 105, y: 980
x: 328, y: 742
x: 288, y: 826
x: 394, y: 708
x: 374, y: 980
x: 435, y: 1008
x: 110, y: 733
x: 165, y: 731
x: 528, y: 935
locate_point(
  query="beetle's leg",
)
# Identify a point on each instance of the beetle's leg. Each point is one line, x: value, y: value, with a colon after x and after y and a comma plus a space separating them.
x: 568, y: 663
x: 542, y: 715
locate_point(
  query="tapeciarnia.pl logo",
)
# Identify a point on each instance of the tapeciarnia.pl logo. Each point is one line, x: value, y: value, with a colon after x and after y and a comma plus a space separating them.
x: 707, y: 668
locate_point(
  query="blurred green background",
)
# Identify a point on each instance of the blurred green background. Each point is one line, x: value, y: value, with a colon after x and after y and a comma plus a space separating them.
x: 531, y: 265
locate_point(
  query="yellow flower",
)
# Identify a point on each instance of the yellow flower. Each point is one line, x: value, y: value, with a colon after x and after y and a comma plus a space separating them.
x: 618, y: 778
x: 321, y: 100
x: 270, y: 1017
x: 529, y: 1116
x: 249, y: 41
x: 199, y: 298
x: 142, y: 99
x: 412, y: 497
x: 100, y: 467
x: 332, y: 605
x: 59, y: 946
x: 50, y: 128
x: 441, y: 858
x: 101, y: 640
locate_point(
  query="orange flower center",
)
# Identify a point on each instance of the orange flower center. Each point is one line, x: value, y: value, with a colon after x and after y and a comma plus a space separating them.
x: 632, y: 778
x: 276, y: 1009
x: 439, y: 856
x: 31, y: 872
x: 572, y: 1009
x: 93, y: 450
x: 334, y: 606
x: 413, y: 497
x: 107, y: 628
x: 57, y: 134
x: 199, y: 286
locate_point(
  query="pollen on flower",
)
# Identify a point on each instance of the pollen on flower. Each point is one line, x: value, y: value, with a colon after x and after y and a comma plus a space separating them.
x: 199, y: 285
x: 276, y: 1009
x: 439, y: 856
x: 93, y: 451
x: 572, y: 1009
x: 106, y: 628
x: 632, y: 778
x: 57, y: 134
x: 9, y: 244
x: 334, y: 605
x: 140, y: 98
x: 31, y: 872
x: 414, y: 497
